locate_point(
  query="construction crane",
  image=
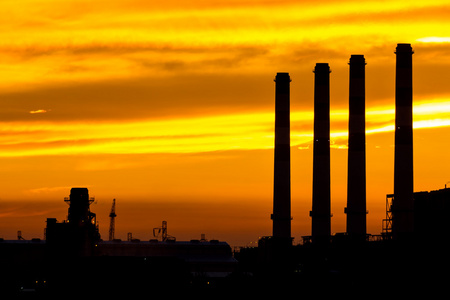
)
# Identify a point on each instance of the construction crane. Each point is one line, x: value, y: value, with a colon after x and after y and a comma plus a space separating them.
x: 112, y: 215
x: 162, y: 231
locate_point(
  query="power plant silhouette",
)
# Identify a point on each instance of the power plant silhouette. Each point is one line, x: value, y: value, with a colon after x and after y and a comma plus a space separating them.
x: 410, y: 253
x: 402, y: 221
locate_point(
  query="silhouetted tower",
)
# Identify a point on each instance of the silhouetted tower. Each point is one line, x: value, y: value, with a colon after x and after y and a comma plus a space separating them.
x: 282, y: 171
x: 321, y: 203
x: 79, y: 202
x: 402, y: 204
x: 112, y: 217
x: 78, y: 236
x: 356, y: 182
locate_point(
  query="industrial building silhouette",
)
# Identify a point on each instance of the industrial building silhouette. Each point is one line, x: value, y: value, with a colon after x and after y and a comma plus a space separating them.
x: 402, y: 203
x: 410, y: 253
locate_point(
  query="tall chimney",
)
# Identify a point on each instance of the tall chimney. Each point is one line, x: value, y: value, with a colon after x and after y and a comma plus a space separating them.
x: 402, y: 204
x: 356, y: 184
x: 321, y: 205
x: 282, y: 171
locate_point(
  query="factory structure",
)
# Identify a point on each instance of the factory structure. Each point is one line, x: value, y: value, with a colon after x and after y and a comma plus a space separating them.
x: 410, y: 253
x: 346, y: 260
x: 402, y: 219
x: 74, y: 259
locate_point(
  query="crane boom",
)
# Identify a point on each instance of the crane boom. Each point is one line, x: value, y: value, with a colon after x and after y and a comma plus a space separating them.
x: 112, y: 216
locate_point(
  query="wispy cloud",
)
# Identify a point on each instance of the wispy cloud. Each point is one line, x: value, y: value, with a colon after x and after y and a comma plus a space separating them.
x: 24, y: 212
x: 98, y: 45
x: 124, y: 39
x: 194, y: 135
x: 38, y: 111
x: 434, y: 39
x: 46, y: 190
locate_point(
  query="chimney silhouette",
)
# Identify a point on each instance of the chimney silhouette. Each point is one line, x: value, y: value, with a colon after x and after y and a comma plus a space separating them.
x: 282, y: 171
x: 321, y: 204
x: 402, y: 204
x: 356, y: 181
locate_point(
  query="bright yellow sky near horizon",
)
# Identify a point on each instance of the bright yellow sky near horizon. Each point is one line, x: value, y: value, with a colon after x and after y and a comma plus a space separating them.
x: 168, y: 107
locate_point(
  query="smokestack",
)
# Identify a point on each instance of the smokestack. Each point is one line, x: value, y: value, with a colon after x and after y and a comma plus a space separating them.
x: 282, y: 172
x: 356, y: 185
x: 402, y: 204
x: 321, y: 206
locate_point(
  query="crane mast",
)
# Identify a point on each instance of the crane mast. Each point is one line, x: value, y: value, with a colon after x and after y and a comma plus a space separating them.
x: 112, y: 216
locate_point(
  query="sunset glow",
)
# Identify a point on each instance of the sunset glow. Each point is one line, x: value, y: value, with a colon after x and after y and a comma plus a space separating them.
x: 190, y: 135
x: 157, y: 103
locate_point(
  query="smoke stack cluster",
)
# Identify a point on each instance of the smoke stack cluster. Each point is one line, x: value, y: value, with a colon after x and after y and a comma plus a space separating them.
x: 402, y: 206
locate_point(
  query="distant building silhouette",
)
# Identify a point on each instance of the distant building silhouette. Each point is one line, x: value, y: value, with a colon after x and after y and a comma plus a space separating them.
x: 356, y: 184
x: 431, y: 211
x: 74, y: 260
x: 321, y: 202
x: 78, y: 235
x: 402, y: 204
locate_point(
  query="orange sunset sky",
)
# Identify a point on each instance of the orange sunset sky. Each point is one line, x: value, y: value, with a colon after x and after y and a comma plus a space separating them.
x: 168, y: 107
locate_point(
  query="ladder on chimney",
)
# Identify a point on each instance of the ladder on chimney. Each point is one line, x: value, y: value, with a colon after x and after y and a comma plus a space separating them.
x: 387, y: 223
